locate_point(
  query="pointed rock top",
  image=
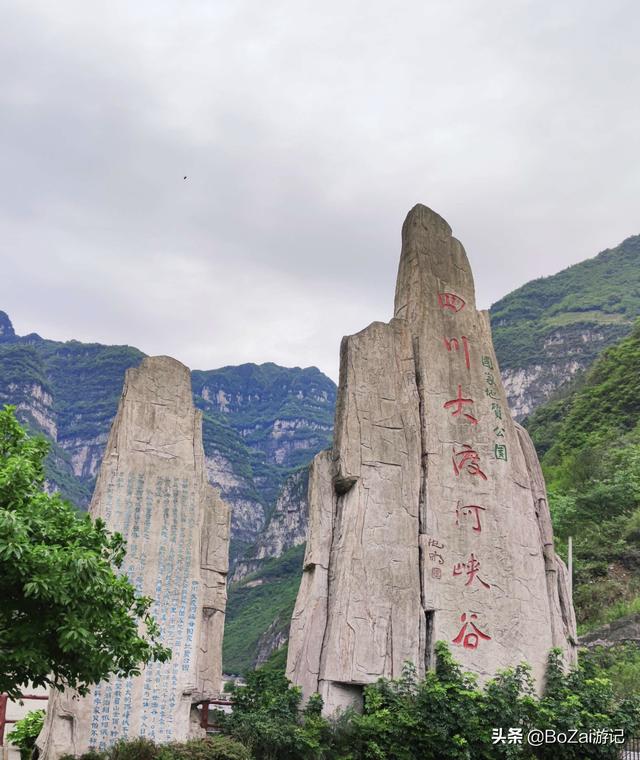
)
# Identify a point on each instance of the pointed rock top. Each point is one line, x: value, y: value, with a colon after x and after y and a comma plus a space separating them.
x: 433, y: 265
x: 156, y: 419
x: 421, y: 215
x: 160, y: 379
x: 7, y: 332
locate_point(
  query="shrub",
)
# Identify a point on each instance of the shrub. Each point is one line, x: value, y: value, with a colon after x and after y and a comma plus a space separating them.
x: 133, y: 749
x: 26, y: 731
x: 211, y: 748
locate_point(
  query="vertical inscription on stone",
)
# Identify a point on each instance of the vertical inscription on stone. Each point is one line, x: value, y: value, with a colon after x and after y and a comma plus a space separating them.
x: 152, y: 489
x: 430, y: 473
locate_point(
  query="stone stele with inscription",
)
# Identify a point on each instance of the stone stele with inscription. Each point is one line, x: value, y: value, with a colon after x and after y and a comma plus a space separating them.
x: 429, y: 519
x: 152, y: 488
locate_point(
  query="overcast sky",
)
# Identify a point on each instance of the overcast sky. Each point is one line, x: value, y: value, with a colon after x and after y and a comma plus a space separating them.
x: 307, y: 130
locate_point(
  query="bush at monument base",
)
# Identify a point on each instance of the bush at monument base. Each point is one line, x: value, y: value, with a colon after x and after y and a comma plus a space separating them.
x: 211, y: 748
x: 445, y: 716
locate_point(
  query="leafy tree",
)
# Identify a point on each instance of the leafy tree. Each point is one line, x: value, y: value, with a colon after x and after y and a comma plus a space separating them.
x: 66, y: 617
x: 266, y: 719
x: 26, y: 731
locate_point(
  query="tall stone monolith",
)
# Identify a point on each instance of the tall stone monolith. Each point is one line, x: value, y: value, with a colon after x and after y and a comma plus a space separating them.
x: 152, y: 488
x: 429, y: 519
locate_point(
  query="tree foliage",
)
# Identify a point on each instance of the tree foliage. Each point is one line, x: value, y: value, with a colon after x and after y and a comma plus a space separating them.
x: 66, y: 617
x: 267, y: 721
x: 590, y: 442
x: 26, y: 731
x: 444, y: 716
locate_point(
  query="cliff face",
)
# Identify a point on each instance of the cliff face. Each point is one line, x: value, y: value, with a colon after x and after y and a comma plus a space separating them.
x: 429, y: 521
x: 265, y: 581
x: 286, y: 527
x: 553, y: 328
x: 152, y: 488
x: 260, y: 423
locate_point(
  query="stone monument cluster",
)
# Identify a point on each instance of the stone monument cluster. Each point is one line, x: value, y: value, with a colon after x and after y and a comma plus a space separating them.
x: 428, y: 520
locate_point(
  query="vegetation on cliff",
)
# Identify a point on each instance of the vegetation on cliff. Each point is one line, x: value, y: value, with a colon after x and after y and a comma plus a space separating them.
x: 589, y: 441
x: 601, y: 293
x: 261, y: 602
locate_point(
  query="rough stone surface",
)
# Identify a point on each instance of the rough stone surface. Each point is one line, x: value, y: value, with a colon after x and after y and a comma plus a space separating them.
x: 309, y: 619
x: 287, y: 527
x: 626, y: 630
x: 152, y: 488
x: 441, y: 529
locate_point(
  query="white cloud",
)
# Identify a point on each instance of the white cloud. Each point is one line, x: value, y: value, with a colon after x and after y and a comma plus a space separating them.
x: 307, y: 131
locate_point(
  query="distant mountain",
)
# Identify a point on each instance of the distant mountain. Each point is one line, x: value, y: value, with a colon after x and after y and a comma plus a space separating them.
x: 261, y: 423
x: 552, y: 328
x: 265, y: 581
x: 589, y: 442
x: 546, y: 334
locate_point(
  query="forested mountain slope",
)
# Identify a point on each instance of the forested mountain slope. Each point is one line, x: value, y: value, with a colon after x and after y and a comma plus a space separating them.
x: 589, y: 441
x: 261, y: 423
x: 552, y: 328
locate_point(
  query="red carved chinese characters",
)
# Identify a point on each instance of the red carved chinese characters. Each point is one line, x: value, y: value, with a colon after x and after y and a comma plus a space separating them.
x: 467, y: 510
x: 471, y: 568
x: 451, y: 301
x: 459, y: 403
x: 472, y: 639
x: 453, y: 344
x: 467, y: 460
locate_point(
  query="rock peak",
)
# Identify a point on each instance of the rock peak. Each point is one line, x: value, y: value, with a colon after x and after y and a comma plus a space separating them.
x: 433, y: 264
x: 152, y: 489
x: 426, y: 217
x: 429, y: 521
x: 7, y: 332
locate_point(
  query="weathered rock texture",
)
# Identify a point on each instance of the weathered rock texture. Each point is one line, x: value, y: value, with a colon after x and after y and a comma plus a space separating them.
x: 287, y: 527
x: 625, y: 630
x: 152, y: 488
x: 429, y: 521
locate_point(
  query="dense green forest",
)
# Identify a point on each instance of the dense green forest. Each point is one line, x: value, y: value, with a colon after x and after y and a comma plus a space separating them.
x: 261, y: 423
x: 589, y: 442
x: 601, y: 294
x: 260, y: 605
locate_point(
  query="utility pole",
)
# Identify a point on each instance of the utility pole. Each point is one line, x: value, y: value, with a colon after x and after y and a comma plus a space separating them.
x: 570, y: 567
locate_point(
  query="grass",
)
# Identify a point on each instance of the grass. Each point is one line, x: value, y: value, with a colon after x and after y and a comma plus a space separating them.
x: 610, y: 614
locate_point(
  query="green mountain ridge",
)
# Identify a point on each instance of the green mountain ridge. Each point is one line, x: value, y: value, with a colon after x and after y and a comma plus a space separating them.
x: 261, y: 423
x: 589, y: 443
x: 554, y: 327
